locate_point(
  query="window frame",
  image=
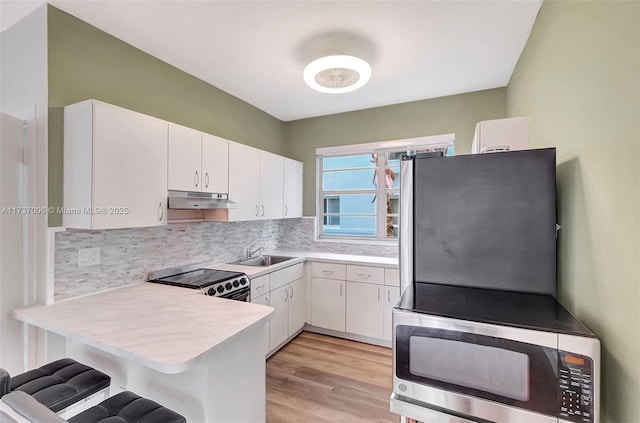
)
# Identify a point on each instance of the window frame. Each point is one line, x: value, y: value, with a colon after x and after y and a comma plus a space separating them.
x: 404, y: 145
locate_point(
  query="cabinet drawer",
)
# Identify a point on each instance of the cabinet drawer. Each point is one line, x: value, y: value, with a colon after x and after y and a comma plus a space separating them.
x: 259, y: 286
x: 329, y: 270
x: 365, y: 274
x: 284, y: 276
x: 392, y: 277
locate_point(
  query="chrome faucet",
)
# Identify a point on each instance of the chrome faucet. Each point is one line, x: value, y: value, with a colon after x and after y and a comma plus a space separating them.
x: 251, y: 253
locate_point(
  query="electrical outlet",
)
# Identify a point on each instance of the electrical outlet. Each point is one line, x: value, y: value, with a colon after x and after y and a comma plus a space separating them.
x: 88, y: 257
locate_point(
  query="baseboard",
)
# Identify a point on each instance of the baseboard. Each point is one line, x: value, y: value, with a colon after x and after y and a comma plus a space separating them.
x: 349, y: 336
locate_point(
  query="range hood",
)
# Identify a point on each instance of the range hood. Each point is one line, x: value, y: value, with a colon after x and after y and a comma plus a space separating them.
x: 192, y: 200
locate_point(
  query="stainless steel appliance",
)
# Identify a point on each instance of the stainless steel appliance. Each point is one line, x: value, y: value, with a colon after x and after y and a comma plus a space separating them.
x: 216, y: 283
x: 478, y: 335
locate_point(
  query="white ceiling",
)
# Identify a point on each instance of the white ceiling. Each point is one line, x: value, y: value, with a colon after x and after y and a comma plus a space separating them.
x: 256, y: 50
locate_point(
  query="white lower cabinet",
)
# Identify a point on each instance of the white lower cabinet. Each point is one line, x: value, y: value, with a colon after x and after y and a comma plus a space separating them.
x: 365, y: 306
x: 391, y: 297
x: 328, y: 303
x: 264, y: 300
x: 279, y: 324
x: 286, y: 293
x: 354, y: 299
x: 297, y: 305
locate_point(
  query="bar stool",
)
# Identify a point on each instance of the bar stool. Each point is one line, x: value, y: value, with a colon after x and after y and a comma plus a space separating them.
x: 56, y: 385
x: 125, y: 407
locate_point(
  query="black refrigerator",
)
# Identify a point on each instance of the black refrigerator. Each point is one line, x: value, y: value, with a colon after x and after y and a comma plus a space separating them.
x: 480, y: 220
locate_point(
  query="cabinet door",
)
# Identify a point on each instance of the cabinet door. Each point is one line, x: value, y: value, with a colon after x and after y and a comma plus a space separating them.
x: 297, y: 305
x: 391, y: 297
x: 292, y: 188
x: 327, y: 303
x: 271, y: 185
x: 215, y: 164
x: 244, y: 181
x: 365, y: 309
x: 279, y: 328
x: 264, y: 300
x: 185, y: 153
x: 129, y: 168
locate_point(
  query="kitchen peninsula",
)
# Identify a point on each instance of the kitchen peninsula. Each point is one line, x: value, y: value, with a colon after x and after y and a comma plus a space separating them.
x: 199, y: 355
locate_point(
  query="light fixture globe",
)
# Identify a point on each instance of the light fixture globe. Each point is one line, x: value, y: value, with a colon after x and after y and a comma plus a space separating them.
x: 337, y: 74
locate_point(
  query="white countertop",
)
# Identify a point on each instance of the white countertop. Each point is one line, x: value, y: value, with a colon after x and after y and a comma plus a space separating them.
x: 166, y: 328
x: 302, y: 256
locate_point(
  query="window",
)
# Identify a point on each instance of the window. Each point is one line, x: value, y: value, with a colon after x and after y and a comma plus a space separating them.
x: 359, y: 190
x: 331, y: 210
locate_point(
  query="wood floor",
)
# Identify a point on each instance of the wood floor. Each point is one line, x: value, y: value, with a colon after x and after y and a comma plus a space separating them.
x: 317, y: 378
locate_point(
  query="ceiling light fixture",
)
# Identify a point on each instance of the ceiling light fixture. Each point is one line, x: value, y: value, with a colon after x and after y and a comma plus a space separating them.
x: 337, y: 74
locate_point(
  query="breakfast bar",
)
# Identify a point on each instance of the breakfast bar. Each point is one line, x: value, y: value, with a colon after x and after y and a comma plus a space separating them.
x: 199, y: 355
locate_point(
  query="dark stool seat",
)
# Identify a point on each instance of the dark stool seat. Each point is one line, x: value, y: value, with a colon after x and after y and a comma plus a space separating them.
x: 59, y: 384
x: 127, y: 407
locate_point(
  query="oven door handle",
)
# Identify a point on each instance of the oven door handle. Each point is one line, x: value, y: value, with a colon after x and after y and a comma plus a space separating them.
x: 237, y: 294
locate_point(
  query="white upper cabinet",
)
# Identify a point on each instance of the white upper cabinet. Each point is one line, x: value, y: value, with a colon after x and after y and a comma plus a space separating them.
x: 185, y: 152
x: 115, y: 167
x: 256, y: 183
x: 244, y: 181
x: 215, y: 164
x: 197, y: 161
x: 271, y: 185
x: 292, y: 188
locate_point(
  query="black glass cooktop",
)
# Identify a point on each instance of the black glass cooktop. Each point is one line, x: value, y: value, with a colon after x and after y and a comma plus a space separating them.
x: 198, y: 278
x: 525, y: 310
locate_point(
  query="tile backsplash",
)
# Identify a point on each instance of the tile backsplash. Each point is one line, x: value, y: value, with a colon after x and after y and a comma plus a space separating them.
x: 300, y: 235
x: 128, y: 255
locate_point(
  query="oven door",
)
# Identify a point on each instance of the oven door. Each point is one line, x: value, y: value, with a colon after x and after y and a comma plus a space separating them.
x: 242, y: 295
x: 490, y: 372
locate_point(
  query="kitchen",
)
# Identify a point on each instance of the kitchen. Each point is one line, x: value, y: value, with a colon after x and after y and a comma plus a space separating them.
x: 597, y: 188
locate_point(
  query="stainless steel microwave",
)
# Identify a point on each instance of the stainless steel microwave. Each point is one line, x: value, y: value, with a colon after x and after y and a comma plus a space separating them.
x: 452, y: 370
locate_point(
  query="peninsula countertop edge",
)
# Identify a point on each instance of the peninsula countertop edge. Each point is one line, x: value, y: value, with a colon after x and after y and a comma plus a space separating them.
x: 166, y: 328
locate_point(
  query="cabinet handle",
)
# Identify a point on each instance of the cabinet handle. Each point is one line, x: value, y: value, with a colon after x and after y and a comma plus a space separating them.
x: 364, y: 275
x: 261, y: 286
x: 268, y: 302
x: 291, y: 296
x: 389, y: 296
x: 341, y: 290
x: 286, y: 295
x: 206, y: 178
x: 286, y: 210
x: 160, y: 212
x: 262, y: 210
x: 378, y: 294
x: 197, y: 178
x: 327, y: 272
x: 257, y: 210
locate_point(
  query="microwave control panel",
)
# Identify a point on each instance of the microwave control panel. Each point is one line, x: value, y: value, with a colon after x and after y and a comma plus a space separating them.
x: 576, y: 387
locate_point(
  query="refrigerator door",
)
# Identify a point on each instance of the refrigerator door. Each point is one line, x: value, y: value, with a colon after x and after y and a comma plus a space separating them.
x: 485, y: 221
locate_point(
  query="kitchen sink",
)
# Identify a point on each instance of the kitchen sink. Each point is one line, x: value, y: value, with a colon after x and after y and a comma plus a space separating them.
x: 262, y: 261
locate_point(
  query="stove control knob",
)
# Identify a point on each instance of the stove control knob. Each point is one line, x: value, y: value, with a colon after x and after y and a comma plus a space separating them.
x: 220, y: 289
x: 227, y: 285
x: 243, y: 281
x: 236, y: 284
x: 211, y: 292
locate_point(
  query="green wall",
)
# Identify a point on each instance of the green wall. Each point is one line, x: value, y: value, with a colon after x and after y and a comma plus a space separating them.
x: 453, y: 114
x: 85, y: 62
x: 579, y: 81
